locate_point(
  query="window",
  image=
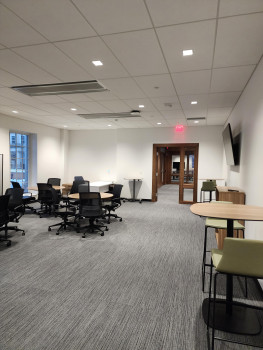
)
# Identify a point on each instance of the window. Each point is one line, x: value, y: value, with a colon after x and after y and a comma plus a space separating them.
x: 19, y: 158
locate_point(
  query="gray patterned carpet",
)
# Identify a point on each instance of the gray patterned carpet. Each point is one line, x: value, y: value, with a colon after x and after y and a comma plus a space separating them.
x: 136, y: 288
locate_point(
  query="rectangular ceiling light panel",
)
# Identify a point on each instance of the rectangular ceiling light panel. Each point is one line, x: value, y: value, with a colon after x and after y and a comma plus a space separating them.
x: 200, y: 118
x: 79, y: 87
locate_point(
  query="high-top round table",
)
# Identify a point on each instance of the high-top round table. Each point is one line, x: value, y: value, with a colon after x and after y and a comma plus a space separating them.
x: 35, y: 188
x: 228, y: 317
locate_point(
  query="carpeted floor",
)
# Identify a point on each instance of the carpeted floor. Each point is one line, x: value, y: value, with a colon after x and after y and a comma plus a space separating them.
x: 136, y: 288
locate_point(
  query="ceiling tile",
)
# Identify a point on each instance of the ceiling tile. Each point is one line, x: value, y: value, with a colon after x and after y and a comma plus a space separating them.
x: 156, y: 85
x: 193, y: 122
x: 200, y: 99
x: 8, y: 79
x: 223, y: 99
x: 199, y: 113
x: 49, y: 99
x: 93, y: 107
x: 218, y: 112
x: 166, y: 103
x: 20, y: 67
x: 84, y: 51
x: 216, y: 121
x: 239, y: 40
x: 151, y: 115
x: 75, y: 97
x: 239, y: 7
x: 135, y: 103
x: 51, y: 59
x: 124, y: 88
x: 173, y: 114
x: 230, y: 79
x: 167, y: 12
x: 15, y: 32
x: 102, y: 96
x: 116, y: 106
x: 139, y: 52
x: 196, y: 82
x: 56, y: 20
x: 197, y: 36
x: 115, y: 16
x: 174, y: 122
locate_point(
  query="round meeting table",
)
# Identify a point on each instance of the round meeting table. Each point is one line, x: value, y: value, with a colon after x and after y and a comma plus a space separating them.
x: 230, y: 317
x: 103, y: 195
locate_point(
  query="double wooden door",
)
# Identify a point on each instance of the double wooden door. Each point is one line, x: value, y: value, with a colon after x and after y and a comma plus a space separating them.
x: 176, y: 164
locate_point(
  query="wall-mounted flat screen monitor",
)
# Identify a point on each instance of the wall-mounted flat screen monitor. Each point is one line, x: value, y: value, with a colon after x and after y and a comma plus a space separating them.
x: 228, y: 145
x: 176, y: 165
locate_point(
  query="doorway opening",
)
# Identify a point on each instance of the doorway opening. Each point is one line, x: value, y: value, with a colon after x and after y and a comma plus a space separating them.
x: 176, y: 164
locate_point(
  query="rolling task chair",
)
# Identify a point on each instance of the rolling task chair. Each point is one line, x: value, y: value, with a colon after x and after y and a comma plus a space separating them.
x: 15, y: 207
x: 47, y: 197
x: 90, y: 207
x: 114, y: 203
x: 27, y: 199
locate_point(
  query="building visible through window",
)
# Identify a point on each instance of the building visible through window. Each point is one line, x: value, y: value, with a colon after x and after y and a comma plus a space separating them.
x: 19, y: 158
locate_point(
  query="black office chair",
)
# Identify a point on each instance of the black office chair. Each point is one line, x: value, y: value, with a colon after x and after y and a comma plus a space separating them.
x: 55, y: 181
x: 4, y: 218
x: 90, y: 207
x: 84, y: 187
x: 65, y: 214
x: 74, y: 189
x: 78, y: 178
x: 114, y: 203
x: 48, y: 198
x: 27, y: 198
x: 15, y: 207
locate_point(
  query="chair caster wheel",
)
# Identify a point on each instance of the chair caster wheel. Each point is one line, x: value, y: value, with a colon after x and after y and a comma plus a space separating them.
x: 57, y: 233
x: 49, y: 229
x: 120, y: 219
x: 107, y: 229
x: 78, y: 231
x: 102, y: 234
x: 23, y: 233
x: 8, y: 244
x: 83, y: 236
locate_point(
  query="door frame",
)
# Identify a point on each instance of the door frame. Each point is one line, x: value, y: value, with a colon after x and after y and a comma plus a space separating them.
x: 181, y: 146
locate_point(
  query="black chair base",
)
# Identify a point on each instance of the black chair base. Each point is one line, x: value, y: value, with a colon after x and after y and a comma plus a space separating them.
x: 110, y: 215
x: 65, y: 214
x: 14, y: 228
x: 5, y: 239
x: 91, y: 228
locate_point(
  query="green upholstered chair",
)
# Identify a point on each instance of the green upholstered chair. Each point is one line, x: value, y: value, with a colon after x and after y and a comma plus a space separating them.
x: 216, y: 224
x: 207, y: 186
x: 239, y: 257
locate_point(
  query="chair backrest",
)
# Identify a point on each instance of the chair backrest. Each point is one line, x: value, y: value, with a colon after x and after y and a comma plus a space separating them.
x: 15, y: 184
x: 78, y: 178
x: 208, y: 186
x: 84, y: 187
x: 116, y: 191
x: 44, y: 192
x: 75, y: 186
x: 54, y: 181
x: 90, y: 204
x: 242, y: 256
x: 4, y: 217
x: 15, y: 197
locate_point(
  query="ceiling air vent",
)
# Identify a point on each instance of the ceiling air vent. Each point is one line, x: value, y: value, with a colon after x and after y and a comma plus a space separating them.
x: 131, y: 114
x: 200, y: 118
x: 78, y: 87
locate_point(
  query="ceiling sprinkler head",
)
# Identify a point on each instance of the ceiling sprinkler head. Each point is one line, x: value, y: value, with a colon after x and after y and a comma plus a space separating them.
x: 168, y: 104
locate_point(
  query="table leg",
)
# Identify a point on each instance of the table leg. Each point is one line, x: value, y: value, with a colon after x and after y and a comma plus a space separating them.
x: 133, y: 195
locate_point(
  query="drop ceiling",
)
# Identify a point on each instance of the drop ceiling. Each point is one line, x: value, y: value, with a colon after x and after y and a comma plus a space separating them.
x: 140, y: 44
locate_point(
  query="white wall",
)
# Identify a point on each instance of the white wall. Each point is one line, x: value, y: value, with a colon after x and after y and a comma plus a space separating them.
x: 117, y: 154
x: 247, y: 117
x: 48, y: 147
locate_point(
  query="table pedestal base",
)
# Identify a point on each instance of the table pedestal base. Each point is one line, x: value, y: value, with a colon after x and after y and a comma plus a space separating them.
x: 243, y: 320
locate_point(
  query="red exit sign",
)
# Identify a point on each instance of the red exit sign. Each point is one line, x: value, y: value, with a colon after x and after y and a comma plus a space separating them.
x: 179, y: 128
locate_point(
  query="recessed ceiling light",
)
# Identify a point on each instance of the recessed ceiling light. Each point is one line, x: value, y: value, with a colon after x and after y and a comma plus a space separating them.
x: 65, y: 126
x: 193, y: 102
x: 109, y: 124
x: 187, y: 52
x: 15, y: 112
x: 97, y: 63
x: 159, y: 123
x: 196, y: 121
x: 73, y: 109
x: 141, y: 106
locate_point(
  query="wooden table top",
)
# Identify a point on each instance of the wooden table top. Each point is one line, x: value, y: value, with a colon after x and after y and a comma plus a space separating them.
x: 229, y: 189
x: 102, y: 194
x: 34, y: 188
x: 228, y: 211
